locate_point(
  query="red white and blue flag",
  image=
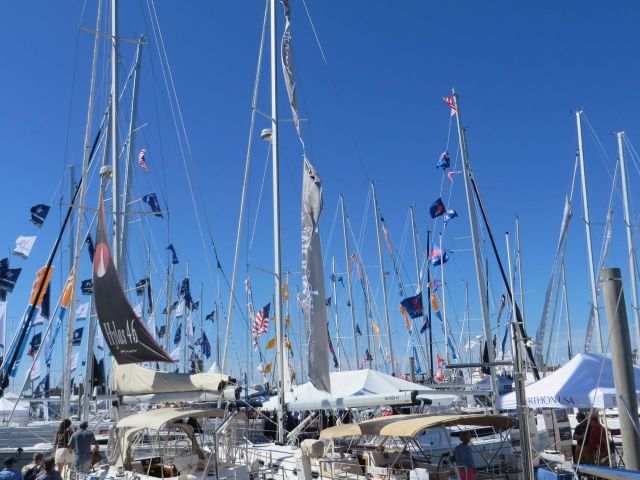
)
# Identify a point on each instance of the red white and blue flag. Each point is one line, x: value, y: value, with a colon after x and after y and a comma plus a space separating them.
x: 142, y: 160
x: 451, y: 101
x: 261, y: 323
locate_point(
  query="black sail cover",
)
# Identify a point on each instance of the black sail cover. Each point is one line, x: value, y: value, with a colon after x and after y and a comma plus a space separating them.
x: 127, y: 337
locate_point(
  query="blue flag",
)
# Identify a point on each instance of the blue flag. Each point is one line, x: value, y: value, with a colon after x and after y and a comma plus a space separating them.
x: 161, y: 331
x: 358, y: 331
x: 178, y: 336
x: 42, y: 390
x: 152, y: 200
x: 417, y: 360
x: 39, y: 213
x: 90, y: 247
x: 174, y: 260
x: 413, y: 305
x: 77, y: 336
x: 205, y: 346
x: 86, y: 287
x: 444, y: 161
x: 449, y: 214
x: 438, y: 256
x: 34, y: 345
x: 8, y: 278
x: 437, y: 208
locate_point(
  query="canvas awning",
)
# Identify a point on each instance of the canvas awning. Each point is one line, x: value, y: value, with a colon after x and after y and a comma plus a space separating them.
x: 156, y: 419
x: 136, y: 380
x: 411, y: 425
x: 360, y: 383
x: 585, y: 382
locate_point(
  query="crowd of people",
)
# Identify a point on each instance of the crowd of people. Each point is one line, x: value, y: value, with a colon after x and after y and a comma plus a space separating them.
x: 78, y: 451
x: 592, y: 440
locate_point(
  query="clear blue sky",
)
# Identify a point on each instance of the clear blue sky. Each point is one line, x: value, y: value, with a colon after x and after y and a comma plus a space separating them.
x: 374, y: 112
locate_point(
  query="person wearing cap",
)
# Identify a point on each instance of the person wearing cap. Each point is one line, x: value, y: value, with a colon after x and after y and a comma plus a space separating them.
x: 10, y: 472
x: 81, y: 443
x: 32, y: 470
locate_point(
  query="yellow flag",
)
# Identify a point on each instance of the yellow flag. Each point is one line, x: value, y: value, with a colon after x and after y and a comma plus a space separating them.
x: 285, y: 292
x: 376, y: 330
x: 66, y: 293
x: 267, y: 369
x: 271, y: 343
x: 287, y: 320
x: 293, y: 375
x: 287, y: 344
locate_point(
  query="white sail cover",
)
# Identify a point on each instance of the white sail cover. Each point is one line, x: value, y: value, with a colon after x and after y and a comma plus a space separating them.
x: 586, y: 381
x: 360, y: 383
x: 135, y: 380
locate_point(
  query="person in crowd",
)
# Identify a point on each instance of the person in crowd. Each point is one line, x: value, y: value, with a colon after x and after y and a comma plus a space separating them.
x: 60, y: 443
x: 582, y: 452
x: 33, y: 469
x: 10, y: 472
x: 49, y: 470
x: 463, y: 455
x: 82, y: 444
x: 598, y: 440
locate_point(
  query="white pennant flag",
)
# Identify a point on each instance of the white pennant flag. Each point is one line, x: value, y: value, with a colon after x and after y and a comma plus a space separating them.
x: 138, y: 310
x: 176, y: 354
x: 3, y: 322
x: 24, y: 246
x: 35, y: 371
x: 100, y: 340
x: 180, y: 309
x: 82, y: 311
x: 74, y: 361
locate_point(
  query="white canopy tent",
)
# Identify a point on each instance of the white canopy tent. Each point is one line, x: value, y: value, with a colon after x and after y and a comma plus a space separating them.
x: 360, y: 383
x: 7, y: 405
x: 585, y: 382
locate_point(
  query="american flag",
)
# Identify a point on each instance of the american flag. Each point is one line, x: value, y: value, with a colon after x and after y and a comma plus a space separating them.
x: 451, y: 101
x: 261, y: 324
x: 141, y: 160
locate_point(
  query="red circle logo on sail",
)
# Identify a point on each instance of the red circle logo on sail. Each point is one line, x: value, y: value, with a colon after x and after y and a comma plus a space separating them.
x: 101, y: 259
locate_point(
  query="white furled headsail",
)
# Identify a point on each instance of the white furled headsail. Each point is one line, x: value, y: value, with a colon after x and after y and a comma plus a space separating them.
x: 286, y: 51
x: 127, y: 338
x: 313, y: 296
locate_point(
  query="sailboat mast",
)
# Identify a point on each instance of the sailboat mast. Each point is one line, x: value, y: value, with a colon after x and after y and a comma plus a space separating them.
x: 477, y: 255
x: 383, y: 279
x: 523, y: 408
x: 88, y: 370
x: 128, y: 176
x: 356, y: 352
x: 519, y: 255
x: 631, y: 251
x: 429, y: 308
x: 113, y: 133
x: 276, y: 219
x: 566, y: 306
x: 417, y: 262
x: 88, y: 147
x: 587, y: 225
x: 335, y: 304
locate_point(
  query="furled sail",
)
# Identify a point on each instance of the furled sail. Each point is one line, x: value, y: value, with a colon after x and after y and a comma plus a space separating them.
x: 127, y: 338
x: 313, y: 296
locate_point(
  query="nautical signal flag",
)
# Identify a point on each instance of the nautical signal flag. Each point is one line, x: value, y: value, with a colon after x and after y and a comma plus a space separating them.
x: 34, y: 345
x: 271, y: 343
x: 413, y: 305
x: 444, y: 161
x: 425, y: 325
x: 140, y: 284
x: 452, y: 173
x: 142, y: 160
x: 161, y: 331
x: 437, y: 208
x: 39, y: 214
x: 438, y: 257
x: 449, y: 214
x: 211, y: 316
x: 77, y: 336
x: 152, y: 200
x: 451, y: 102
x: 358, y: 331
